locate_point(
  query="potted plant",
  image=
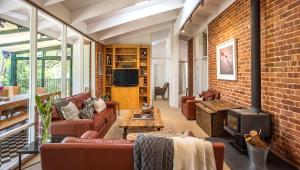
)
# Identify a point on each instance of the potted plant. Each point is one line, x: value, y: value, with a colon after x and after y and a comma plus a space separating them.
x: 44, y: 111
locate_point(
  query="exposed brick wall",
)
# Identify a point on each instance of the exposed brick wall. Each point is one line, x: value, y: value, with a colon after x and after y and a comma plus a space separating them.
x: 99, y: 78
x: 190, y: 67
x: 280, y: 24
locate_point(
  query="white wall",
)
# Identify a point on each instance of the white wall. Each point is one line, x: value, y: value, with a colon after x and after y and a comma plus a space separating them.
x: 183, y: 50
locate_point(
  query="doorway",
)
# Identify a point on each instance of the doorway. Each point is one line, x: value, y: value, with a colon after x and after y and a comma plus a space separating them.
x: 159, y: 77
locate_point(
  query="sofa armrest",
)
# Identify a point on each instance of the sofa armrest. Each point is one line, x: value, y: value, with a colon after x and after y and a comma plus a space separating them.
x: 113, y: 105
x: 71, y: 127
x: 191, y: 105
x: 185, y: 98
x: 219, y: 154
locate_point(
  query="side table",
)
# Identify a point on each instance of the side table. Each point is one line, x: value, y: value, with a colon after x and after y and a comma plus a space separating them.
x: 34, y: 148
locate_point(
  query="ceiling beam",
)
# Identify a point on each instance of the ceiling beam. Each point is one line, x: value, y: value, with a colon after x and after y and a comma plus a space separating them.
x: 101, y: 25
x: 51, y: 2
x: 141, y: 32
x: 101, y: 8
x: 139, y: 24
x: 186, y: 12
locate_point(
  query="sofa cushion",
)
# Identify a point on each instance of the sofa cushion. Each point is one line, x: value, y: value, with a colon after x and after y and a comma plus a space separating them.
x: 81, y: 98
x: 209, y: 95
x: 59, y: 103
x: 70, y: 112
x: 86, y: 113
x: 73, y: 100
x: 99, y: 105
x: 54, y: 114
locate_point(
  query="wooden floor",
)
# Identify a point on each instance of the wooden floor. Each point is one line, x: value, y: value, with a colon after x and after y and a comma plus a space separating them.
x: 13, y: 120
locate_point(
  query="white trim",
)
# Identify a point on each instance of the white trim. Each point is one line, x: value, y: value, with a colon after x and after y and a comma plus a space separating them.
x: 81, y: 58
x: 63, y: 62
x: 93, y: 69
x: 33, y: 64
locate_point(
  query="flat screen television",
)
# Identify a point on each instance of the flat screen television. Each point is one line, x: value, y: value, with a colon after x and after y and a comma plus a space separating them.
x: 126, y: 77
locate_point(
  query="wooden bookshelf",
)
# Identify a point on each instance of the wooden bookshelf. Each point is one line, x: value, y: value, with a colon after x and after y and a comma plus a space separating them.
x: 127, y: 57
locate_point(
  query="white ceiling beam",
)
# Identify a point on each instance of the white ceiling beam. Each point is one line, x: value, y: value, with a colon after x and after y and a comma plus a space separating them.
x: 51, y: 2
x: 186, y: 12
x: 6, y: 6
x: 141, y: 32
x: 101, y: 25
x: 139, y: 24
x: 101, y: 8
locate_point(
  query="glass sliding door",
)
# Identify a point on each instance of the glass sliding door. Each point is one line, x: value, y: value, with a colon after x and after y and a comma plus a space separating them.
x: 49, y: 46
x: 14, y: 77
x: 74, y: 54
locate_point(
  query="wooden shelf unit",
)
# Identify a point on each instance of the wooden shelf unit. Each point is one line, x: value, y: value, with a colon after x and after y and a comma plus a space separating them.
x: 127, y: 57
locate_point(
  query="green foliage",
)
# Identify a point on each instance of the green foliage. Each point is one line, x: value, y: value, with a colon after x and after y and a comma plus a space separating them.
x: 44, y: 110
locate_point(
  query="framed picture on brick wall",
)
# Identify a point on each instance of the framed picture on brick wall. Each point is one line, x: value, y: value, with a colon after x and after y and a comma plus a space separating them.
x: 226, y: 60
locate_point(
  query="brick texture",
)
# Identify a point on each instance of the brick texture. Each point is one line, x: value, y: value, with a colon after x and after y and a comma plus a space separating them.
x: 99, y: 78
x: 280, y: 71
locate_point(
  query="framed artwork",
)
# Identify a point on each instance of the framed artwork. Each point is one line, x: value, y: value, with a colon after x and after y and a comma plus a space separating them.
x: 226, y: 60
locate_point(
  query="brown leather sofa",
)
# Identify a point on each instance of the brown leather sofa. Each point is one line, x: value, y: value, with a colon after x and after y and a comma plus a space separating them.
x: 101, y: 122
x: 94, y: 154
x: 188, y: 103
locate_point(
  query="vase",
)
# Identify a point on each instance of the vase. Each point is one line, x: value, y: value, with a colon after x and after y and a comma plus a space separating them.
x: 45, y: 128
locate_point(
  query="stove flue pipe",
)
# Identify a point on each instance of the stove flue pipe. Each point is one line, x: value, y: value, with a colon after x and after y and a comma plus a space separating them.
x: 255, y: 57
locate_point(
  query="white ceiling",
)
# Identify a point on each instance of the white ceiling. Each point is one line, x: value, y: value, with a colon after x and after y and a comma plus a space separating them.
x: 109, y: 20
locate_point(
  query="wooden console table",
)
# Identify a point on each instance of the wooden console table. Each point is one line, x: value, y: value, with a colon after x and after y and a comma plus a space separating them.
x: 211, y: 115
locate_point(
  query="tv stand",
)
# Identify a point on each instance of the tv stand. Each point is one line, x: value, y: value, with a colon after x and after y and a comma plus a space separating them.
x: 127, y: 57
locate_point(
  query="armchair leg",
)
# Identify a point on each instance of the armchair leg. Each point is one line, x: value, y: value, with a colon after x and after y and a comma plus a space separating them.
x: 163, y: 97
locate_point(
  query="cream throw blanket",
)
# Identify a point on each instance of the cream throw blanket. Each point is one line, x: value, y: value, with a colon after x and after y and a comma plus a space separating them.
x: 193, y: 154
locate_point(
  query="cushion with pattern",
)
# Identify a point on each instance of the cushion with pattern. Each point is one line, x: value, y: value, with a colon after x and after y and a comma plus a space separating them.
x: 86, y: 113
x: 59, y: 103
x: 70, y: 112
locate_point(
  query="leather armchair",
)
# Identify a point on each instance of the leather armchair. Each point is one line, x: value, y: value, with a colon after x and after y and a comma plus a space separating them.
x: 188, y: 103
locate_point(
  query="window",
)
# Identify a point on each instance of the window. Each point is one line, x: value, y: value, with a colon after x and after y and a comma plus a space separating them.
x: 49, y: 54
x: 14, y: 76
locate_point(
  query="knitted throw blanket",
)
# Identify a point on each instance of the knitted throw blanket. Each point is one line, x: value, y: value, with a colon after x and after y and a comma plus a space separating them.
x: 153, y: 153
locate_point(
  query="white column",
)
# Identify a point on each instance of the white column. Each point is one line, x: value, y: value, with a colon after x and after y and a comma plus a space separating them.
x: 93, y: 68
x: 81, y: 66
x: 32, y: 81
x: 174, y: 65
x: 64, y: 62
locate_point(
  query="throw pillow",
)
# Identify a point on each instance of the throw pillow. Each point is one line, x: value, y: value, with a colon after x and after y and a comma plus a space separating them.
x: 89, y: 105
x: 59, y: 103
x: 86, y: 113
x: 198, y: 98
x: 209, y: 95
x: 99, y: 105
x: 70, y: 112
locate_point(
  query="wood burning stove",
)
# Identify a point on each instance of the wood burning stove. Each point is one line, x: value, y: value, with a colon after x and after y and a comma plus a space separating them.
x: 242, y: 121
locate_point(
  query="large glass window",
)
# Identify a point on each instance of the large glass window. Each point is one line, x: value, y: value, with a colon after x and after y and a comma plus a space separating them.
x: 49, y: 54
x: 14, y: 75
x: 15, y: 68
x: 74, y: 63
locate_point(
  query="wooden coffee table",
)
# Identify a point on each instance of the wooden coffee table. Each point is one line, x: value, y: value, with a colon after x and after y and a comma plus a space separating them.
x: 129, y: 122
